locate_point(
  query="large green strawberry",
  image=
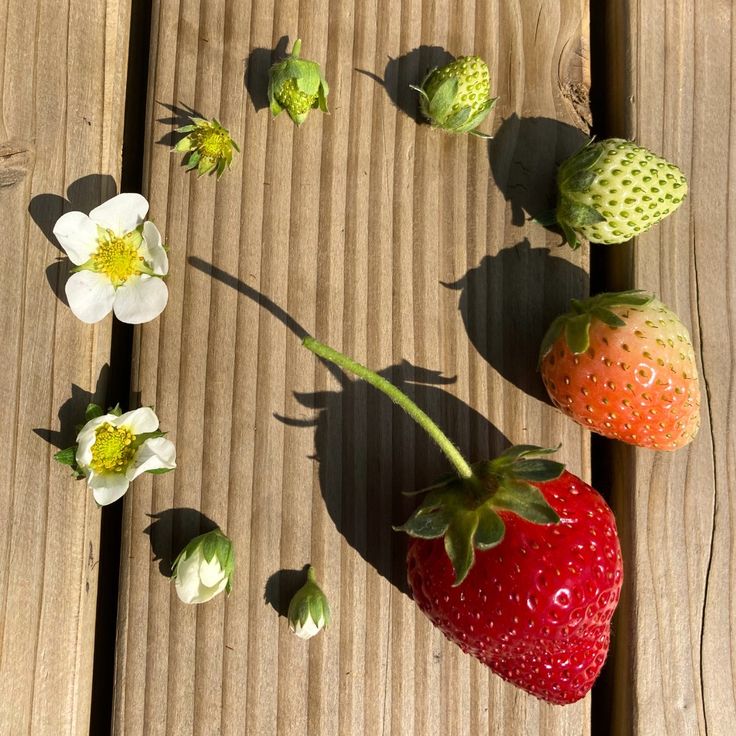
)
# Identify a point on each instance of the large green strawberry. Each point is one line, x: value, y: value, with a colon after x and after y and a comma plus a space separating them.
x: 514, y: 560
x: 457, y: 97
x: 614, y: 190
x: 622, y: 364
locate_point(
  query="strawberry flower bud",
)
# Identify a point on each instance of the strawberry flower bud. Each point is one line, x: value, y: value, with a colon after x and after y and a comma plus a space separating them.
x: 457, y: 97
x: 296, y: 85
x: 208, y: 145
x: 204, y: 568
x: 309, y: 611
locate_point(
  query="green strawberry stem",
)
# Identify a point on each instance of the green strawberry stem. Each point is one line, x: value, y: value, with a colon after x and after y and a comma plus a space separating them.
x: 398, y: 397
x: 296, y: 48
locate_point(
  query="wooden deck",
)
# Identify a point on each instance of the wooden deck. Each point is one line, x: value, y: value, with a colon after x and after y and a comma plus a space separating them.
x: 412, y: 251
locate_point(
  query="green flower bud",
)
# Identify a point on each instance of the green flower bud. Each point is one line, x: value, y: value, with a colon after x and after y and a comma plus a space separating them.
x: 208, y: 146
x: 457, y: 97
x: 309, y: 611
x: 204, y: 568
x: 296, y: 85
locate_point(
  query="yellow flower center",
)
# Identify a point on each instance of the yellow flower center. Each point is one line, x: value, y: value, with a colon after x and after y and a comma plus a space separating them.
x: 211, y: 142
x: 112, y: 450
x: 118, y: 257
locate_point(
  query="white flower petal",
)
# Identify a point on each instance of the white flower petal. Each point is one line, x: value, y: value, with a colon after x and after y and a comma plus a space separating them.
x: 310, y: 628
x: 121, y: 214
x: 138, y: 421
x: 157, y: 257
x: 77, y: 235
x: 210, y: 573
x: 107, y: 487
x: 186, y: 580
x: 207, y: 594
x: 154, y: 454
x: 86, y: 438
x: 90, y: 296
x: 140, y: 299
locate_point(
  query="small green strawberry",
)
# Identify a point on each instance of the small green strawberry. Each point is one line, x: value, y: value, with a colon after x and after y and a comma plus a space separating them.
x: 208, y: 146
x: 614, y: 190
x: 296, y: 85
x: 457, y: 97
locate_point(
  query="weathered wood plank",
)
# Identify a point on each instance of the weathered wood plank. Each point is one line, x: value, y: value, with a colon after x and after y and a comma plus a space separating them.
x: 676, y: 662
x: 62, y: 78
x: 353, y: 228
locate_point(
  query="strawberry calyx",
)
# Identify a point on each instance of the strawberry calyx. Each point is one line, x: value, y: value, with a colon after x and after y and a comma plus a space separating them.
x: 575, y: 324
x: 576, y: 175
x: 465, y: 511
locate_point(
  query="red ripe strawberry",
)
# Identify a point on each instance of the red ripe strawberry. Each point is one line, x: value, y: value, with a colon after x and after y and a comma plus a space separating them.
x: 535, y: 602
x: 537, y: 607
x: 622, y: 365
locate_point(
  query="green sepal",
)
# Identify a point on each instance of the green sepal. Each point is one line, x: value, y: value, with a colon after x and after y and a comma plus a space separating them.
x: 67, y: 456
x: 185, y: 129
x: 322, y: 93
x: 307, y: 77
x: 578, y: 215
x: 516, y: 452
x: 184, y: 145
x: 459, y: 540
x: 193, y: 160
x: 141, y: 438
x: 586, y: 158
x: 442, y: 100
x: 577, y: 330
x: 580, y: 181
x: 92, y: 412
x: 475, y: 120
x: 550, y: 337
x: 548, y: 218
x: 457, y: 120
x: 160, y: 471
x: 491, y: 529
x: 526, y: 501
x: 571, y: 237
x: 538, y: 471
x: 276, y: 109
x: 422, y: 93
x: 116, y: 410
x: 607, y: 316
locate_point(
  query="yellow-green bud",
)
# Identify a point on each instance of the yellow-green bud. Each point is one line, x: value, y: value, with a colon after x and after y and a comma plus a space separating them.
x: 208, y: 145
x: 309, y: 611
x: 296, y: 85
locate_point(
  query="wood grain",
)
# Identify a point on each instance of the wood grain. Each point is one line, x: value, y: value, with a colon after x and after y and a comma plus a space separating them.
x: 409, y: 249
x: 676, y: 659
x: 62, y: 82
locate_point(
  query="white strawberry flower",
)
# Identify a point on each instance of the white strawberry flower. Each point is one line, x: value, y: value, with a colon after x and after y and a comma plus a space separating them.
x: 204, y: 568
x: 119, y: 259
x: 113, y: 449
